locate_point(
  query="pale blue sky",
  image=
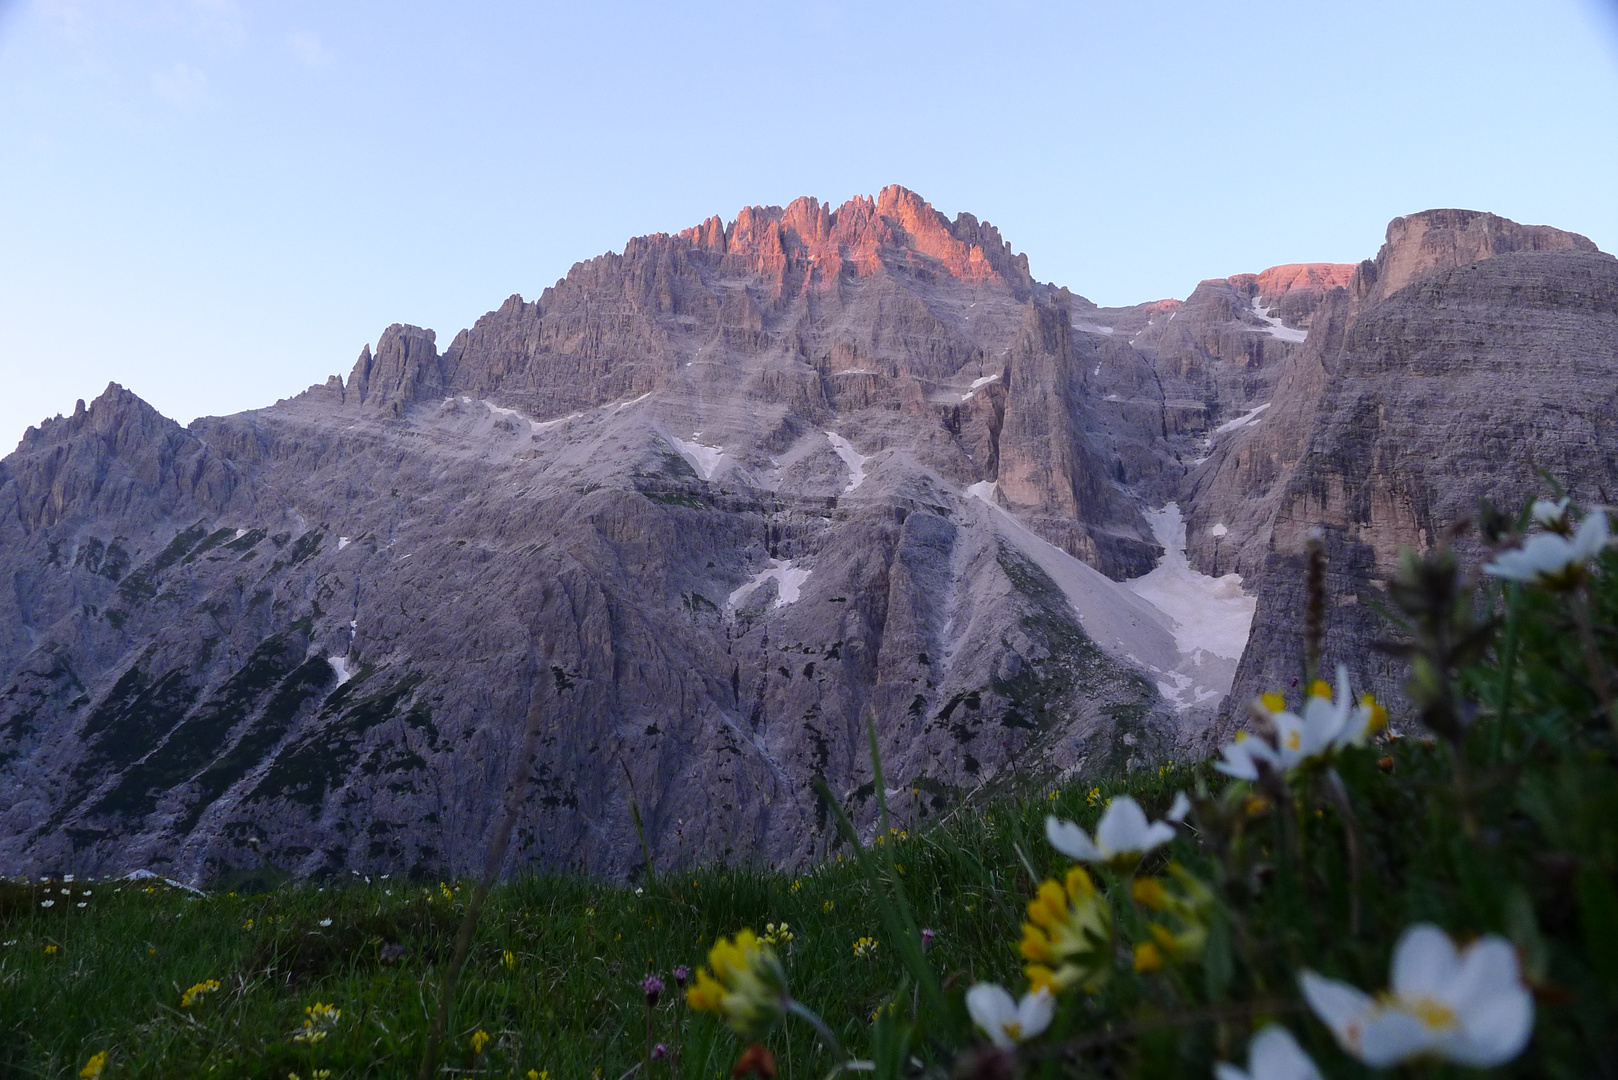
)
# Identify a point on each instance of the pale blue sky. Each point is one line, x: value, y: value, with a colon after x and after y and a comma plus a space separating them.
x: 218, y: 202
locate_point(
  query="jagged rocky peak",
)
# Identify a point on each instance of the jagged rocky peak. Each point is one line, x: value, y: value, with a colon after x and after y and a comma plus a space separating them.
x: 405, y: 367
x: 117, y: 414
x: 1433, y: 241
x: 898, y: 228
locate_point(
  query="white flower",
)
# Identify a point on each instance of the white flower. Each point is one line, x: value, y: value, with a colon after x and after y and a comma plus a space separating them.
x: 46, y: 903
x: 1469, y: 1007
x: 1549, y: 558
x: 1122, y: 834
x: 1179, y: 808
x: 1272, y: 1055
x: 1328, y: 723
x: 84, y: 903
x: 325, y: 922
x: 1008, y: 1022
x: 1548, y: 514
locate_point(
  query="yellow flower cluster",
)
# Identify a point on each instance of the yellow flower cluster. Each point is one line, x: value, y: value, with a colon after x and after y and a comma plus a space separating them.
x: 201, y: 989
x: 480, y: 1039
x: 777, y: 934
x: 1185, y: 905
x: 1067, y: 935
x: 509, y: 959
x: 93, y: 1068
x: 747, y: 987
x: 318, y: 1020
x: 865, y: 948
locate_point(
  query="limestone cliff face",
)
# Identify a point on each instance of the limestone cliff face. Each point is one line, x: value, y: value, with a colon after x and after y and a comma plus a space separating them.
x: 1495, y: 357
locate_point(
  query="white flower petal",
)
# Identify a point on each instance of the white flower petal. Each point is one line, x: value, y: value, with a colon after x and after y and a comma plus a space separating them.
x: 1424, y: 963
x: 1545, y: 512
x: 1122, y: 827
x: 1391, y: 1036
x: 992, y: 1008
x: 1179, y: 808
x: 1035, y: 1011
x: 1485, y: 969
x: 1341, y: 1007
x: 1494, y: 1031
x: 1225, y: 1071
x: 1071, y: 840
x: 1237, y: 760
x: 1157, y: 833
x: 1591, y: 537
x: 1275, y: 1055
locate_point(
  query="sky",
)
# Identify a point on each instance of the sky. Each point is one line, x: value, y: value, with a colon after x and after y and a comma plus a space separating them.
x: 218, y: 202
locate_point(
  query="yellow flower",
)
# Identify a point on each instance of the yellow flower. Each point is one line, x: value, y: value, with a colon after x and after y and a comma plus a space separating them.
x: 1186, y: 907
x: 92, y: 1068
x: 320, y: 1074
x: 1067, y: 933
x: 865, y: 948
x: 201, y: 989
x: 1093, y: 796
x: 318, y: 1019
x: 748, y: 986
x: 480, y: 1039
x: 509, y: 958
x: 50, y: 950
x: 827, y: 907
x: 796, y: 885
x: 1274, y: 702
x: 1147, y: 958
x: 777, y: 935
x: 539, y: 1074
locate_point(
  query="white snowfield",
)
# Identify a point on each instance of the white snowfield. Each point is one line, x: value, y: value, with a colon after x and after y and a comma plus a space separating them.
x: 788, y: 579
x: 704, y: 459
x: 1185, y: 628
x: 851, y: 457
x: 1276, y: 328
x: 1244, y: 420
x: 339, y: 664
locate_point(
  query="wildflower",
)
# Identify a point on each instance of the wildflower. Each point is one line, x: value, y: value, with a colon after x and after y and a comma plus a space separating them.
x: 1122, y: 836
x: 47, y: 903
x: 93, y: 1068
x: 200, y: 990
x: 1147, y: 958
x: 748, y: 986
x: 652, y: 987
x: 1469, y: 1007
x: 1550, y: 515
x: 927, y: 938
x: 1067, y: 934
x: 797, y: 883
x: 248, y: 925
x: 659, y: 1052
x: 480, y: 1039
x: 826, y: 907
x: 318, y: 1020
x: 509, y: 959
x: 1006, y: 1021
x: 776, y: 935
x: 1272, y: 1055
x: 1093, y: 796
x: 865, y: 948
x: 51, y: 950
x: 536, y: 1074
x: 325, y: 922
x: 1328, y: 724
x: 681, y: 974
x: 83, y: 903
x: 1553, y: 560
x: 1187, y: 906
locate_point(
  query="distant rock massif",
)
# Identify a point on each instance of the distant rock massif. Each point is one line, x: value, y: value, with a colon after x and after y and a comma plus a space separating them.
x: 707, y: 508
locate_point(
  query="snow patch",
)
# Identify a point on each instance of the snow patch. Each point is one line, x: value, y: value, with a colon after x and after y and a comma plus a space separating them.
x: 1276, y: 328
x: 788, y: 580
x: 339, y: 664
x: 239, y: 534
x: 1092, y: 328
x: 343, y: 542
x: 851, y: 457
x: 985, y: 381
x: 1209, y: 614
x: 1218, y: 530
x: 1244, y: 420
x: 704, y: 459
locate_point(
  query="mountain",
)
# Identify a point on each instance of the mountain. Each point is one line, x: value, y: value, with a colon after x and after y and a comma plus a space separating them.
x: 703, y: 509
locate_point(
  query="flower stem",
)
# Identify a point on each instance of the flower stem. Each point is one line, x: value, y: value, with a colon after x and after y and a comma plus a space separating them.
x: 1351, y: 834
x: 804, y: 1012
x: 1592, y: 654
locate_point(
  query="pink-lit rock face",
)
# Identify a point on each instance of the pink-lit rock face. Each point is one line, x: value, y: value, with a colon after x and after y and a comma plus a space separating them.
x: 808, y: 246
x: 1278, y: 280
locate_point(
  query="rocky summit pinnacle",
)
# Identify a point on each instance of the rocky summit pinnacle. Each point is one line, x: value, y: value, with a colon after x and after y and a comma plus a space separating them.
x: 706, y: 508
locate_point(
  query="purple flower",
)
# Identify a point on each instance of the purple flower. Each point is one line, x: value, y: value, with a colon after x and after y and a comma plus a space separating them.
x: 927, y: 938
x: 681, y: 974
x: 653, y: 986
x: 660, y: 1051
